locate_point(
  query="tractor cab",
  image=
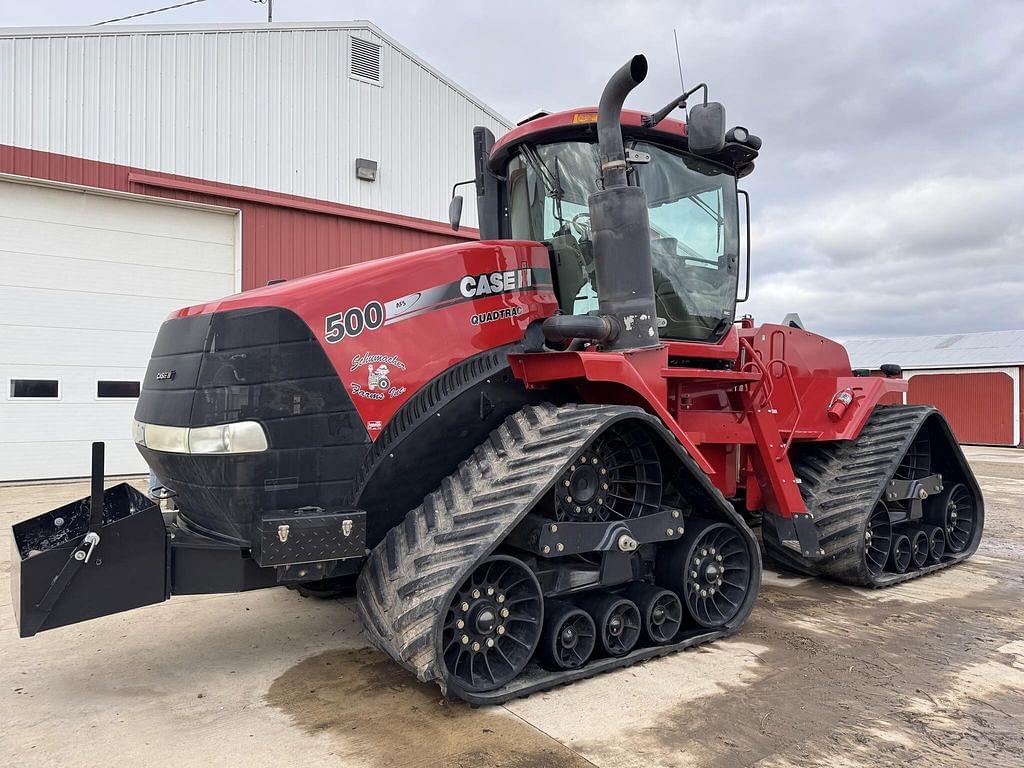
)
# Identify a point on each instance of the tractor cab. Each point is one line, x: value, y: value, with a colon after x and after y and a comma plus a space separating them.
x: 541, y: 175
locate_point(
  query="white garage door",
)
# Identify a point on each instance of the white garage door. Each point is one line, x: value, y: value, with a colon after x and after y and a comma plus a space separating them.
x: 86, y: 279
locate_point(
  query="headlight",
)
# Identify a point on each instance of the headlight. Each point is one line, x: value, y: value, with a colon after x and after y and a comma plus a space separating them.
x: 240, y: 437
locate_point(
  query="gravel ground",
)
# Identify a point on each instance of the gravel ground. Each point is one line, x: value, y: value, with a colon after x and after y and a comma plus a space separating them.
x: 930, y: 671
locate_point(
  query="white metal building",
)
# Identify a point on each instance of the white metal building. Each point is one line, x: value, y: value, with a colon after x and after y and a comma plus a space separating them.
x: 147, y: 168
x: 974, y: 378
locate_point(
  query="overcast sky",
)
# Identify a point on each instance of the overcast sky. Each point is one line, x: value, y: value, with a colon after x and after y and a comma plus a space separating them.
x: 889, y: 197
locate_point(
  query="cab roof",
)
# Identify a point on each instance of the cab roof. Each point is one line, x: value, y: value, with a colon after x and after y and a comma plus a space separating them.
x: 583, y: 122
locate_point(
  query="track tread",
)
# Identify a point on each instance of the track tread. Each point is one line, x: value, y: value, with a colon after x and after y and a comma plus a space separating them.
x: 408, y: 576
x: 841, y: 482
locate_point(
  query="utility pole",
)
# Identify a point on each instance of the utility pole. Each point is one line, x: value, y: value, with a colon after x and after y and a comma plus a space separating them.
x: 270, y: 8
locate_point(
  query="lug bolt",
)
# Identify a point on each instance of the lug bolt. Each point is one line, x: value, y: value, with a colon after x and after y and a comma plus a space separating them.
x: 604, y: 486
x: 679, y: 530
x: 675, y: 513
x: 465, y: 607
x: 696, y: 561
x: 590, y: 510
x: 547, y: 549
x: 476, y: 593
x: 572, y: 468
x: 704, y: 553
x: 669, y: 531
x: 718, y: 558
x: 565, y: 483
x: 711, y: 591
x: 554, y: 528
x: 693, y: 574
x: 703, y: 593
x: 460, y: 624
x: 501, y: 629
x: 578, y: 510
x: 490, y: 642
x: 712, y: 550
x: 604, y: 471
x: 560, y: 546
x: 593, y: 460
x: 501, y: 598
x: 569, y: 499
x: 600, y: 499
x: 504, y: 613
x: 476, y: 646
x: 465, y: 639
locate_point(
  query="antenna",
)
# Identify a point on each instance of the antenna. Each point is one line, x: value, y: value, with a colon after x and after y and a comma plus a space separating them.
x: 679, y: 61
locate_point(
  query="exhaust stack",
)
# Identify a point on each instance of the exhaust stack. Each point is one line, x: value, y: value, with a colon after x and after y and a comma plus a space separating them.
x: 621, y: 231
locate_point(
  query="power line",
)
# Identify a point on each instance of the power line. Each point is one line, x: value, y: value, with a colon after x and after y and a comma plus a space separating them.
x: 148, y: 13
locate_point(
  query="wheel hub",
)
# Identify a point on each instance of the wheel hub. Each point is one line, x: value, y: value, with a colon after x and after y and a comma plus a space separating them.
x: 485, y: 617
x: 569, y: 637
x: 615, y: 626
x: 582, y: 489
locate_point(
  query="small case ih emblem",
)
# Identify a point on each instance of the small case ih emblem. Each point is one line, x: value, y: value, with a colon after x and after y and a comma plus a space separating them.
x: 346, y: 528
x: 282, y: 532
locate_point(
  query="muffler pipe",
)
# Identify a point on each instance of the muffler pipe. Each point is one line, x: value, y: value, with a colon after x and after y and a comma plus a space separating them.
x: 619, y: 223
x: 609, y: 119
x: 561, y: 328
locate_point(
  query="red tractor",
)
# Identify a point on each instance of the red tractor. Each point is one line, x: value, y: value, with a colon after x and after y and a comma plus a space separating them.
x: 538, y: 456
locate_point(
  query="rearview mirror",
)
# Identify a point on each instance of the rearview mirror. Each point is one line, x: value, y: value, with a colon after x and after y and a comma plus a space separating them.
x: 705, y: 128
x: 455, y: 212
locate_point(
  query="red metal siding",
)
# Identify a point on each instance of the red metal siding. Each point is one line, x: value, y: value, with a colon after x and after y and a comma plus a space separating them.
x: 979, y: 406
x: 283, y: 236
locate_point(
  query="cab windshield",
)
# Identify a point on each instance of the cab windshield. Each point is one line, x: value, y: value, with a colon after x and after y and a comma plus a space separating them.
x: 693, y: 224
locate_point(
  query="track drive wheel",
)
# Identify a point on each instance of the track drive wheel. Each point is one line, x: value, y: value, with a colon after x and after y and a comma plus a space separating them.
x: 955, y: 510
x: 492, y: 625
x: 711, y: 569
x: 568, y: 638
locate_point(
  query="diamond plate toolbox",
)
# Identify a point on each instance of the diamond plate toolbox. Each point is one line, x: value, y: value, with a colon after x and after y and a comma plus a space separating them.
x: 308, y: 535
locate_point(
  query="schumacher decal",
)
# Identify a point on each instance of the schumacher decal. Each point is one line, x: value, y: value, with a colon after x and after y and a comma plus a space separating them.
x: 352, y: 322
x: 379, y: 373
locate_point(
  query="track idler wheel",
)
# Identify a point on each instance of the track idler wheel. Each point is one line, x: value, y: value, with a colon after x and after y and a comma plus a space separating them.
x: 936, y: 542
x: 492, y: 625
x: 710, y: 569
x: 899, y: 557
x: 568, y: 638
x: 617, y: 620
x: 877, y: 540
x: 660, y: 609
x: 955, y: 510
x: 918, y: 548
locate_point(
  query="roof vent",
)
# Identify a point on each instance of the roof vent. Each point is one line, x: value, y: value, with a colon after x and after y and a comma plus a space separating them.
x: 364, y: 61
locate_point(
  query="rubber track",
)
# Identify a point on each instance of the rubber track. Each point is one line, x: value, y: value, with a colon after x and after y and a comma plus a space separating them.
x: 404, y: 587
x: 841, y: 482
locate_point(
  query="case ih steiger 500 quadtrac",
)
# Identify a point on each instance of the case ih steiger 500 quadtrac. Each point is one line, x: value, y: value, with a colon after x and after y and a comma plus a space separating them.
x: 539, y: 453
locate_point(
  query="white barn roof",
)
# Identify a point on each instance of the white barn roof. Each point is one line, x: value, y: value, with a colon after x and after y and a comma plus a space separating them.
x: 960, y: 350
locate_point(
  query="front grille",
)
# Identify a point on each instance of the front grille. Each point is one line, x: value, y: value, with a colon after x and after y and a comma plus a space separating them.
x: 251, y: 365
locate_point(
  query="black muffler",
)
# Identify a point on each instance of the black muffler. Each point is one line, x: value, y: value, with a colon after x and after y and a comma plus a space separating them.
x: 621, y: 230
